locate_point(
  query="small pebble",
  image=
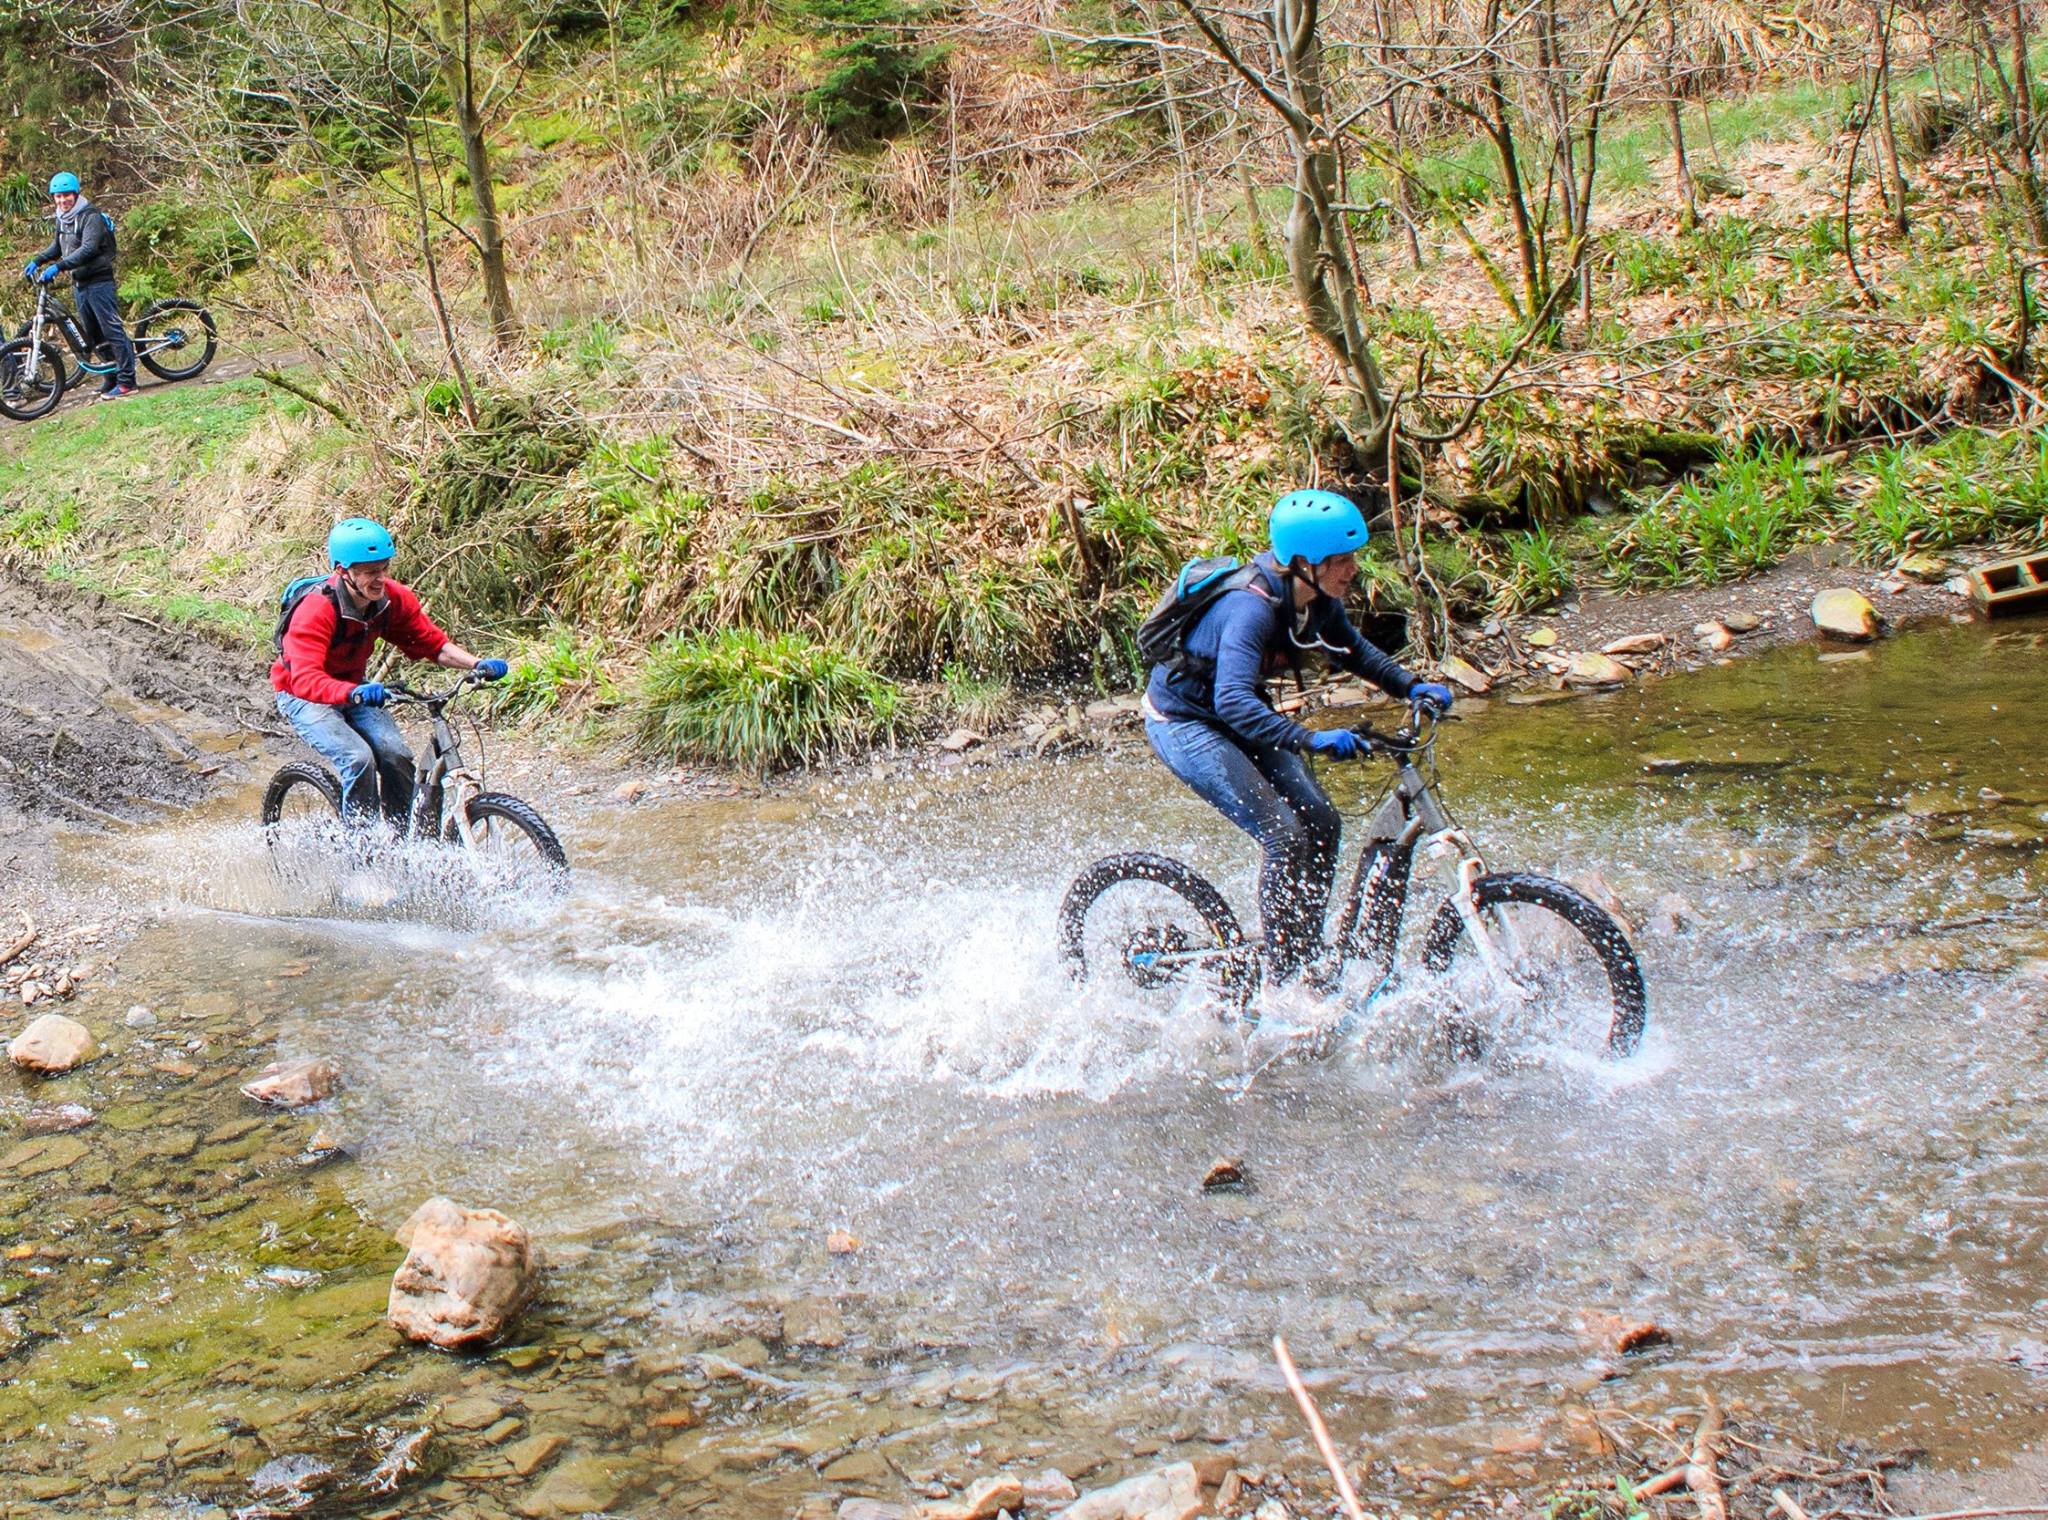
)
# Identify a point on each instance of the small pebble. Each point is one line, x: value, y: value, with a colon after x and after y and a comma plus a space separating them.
x: 139, y: 1017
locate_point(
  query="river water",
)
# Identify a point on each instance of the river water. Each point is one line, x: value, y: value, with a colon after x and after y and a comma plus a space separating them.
x: 756, y: 1025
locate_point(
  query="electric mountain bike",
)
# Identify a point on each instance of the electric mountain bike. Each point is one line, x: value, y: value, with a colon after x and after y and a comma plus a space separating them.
x: 1509, y: 960
x: 173, y: 339
x: 507, y: 837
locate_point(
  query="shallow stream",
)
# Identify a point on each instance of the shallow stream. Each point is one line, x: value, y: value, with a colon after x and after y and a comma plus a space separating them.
x: 758, y: 1023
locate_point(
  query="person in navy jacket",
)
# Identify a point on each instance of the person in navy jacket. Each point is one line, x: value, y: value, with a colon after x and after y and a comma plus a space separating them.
x: 1209, y: 716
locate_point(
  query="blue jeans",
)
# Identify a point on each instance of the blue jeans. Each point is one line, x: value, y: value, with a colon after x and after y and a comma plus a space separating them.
x: 99, y: 311
x: 364, y: 745
x: 1273, y: 796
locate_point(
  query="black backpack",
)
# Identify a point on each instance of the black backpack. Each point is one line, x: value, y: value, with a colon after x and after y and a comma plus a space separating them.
x: 288, y: 603
x: 1162, y: 637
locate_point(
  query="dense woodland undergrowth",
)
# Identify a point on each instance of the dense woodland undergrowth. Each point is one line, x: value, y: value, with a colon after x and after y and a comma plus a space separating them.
x: 820, y: 370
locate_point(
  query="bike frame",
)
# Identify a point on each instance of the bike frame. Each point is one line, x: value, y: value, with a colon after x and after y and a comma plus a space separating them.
x: 440, y: 774
x: 53, y: 311
x: 1410, y: 818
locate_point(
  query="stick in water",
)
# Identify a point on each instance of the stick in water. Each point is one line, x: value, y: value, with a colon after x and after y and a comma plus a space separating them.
x: 1316, y: 1429
x: 1700, y: 1474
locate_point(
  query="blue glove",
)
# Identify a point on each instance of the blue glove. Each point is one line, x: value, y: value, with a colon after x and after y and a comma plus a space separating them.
x: 1337, y: 743
x: 29, y: 272
x: 492, y: 670
x: 370, y: 694
x: 46, y: 274
x: 1431, y: 694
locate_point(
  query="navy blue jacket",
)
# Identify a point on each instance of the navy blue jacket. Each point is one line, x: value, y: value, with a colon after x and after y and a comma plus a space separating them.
x: 1245, y: 635
x: 83, y: 247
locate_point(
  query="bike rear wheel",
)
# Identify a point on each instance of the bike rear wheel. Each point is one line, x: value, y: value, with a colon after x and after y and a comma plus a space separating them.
x: 185, y: 334
x: 29, y: 390
x: 510, y: 842
x: 301, y: 793
x: 1566, y: 978
x: 1160, y: 929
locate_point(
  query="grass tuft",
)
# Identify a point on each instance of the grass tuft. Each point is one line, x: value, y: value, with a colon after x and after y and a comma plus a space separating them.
x: 762, y: 701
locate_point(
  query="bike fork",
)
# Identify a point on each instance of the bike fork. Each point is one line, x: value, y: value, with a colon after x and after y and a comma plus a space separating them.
x: 1497, y: 946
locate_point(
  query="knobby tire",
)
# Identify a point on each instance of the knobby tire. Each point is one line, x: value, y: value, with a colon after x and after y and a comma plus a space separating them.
x: 46, y: 387
x: 1208, y: 905
x: 178, y: 313
x: 298, y: 774
x: 1601, y: 933
x: 522, y: 816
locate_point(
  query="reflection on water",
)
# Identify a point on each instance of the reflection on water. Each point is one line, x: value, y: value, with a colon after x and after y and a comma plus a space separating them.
x: 754, y: 1023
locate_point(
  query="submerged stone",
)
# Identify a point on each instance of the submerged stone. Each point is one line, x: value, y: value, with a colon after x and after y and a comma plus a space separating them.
x: 52, y: 1044
x: 576, y: 1487
x: 37, y: 1158
x: 294, y: 1084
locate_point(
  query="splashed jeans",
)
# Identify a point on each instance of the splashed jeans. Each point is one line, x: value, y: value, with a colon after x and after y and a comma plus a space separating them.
x: 1273, y: 796
x: 364, y: 745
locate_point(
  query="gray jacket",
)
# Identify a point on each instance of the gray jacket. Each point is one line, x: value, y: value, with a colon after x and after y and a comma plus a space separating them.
x: 84, y: 246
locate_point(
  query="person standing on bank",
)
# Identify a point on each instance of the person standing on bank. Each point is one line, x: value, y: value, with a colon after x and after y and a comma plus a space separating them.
x: 84, y: 249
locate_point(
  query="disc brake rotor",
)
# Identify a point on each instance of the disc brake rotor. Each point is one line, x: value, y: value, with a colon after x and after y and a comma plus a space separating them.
x: 1142, y: 952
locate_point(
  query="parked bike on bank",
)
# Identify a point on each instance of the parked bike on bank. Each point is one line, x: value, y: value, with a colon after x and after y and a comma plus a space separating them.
x: 508, y: 839
x: 1519, y: 960
x: 174, y: 339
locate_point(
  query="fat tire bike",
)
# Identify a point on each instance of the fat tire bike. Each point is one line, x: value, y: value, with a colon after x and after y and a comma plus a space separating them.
x: 1511, y: 950
x: 450, y: 802
x: 174, y: 340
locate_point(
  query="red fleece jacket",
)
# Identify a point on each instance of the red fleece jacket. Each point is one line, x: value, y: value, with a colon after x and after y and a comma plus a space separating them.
x: 326, y: 653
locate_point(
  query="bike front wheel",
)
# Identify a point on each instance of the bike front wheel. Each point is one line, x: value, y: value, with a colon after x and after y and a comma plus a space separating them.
x: 31, y: 384
x: 510, y: 842
x: 1556, y: 974
x: 175, y: 339
x: 1158, y: 928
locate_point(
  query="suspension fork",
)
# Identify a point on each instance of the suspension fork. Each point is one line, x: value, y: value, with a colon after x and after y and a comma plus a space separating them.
x: 1498, y: 946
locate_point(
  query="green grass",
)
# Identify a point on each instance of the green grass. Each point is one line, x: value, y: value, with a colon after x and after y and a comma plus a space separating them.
x: 1969, y: 487
x: 761, y: 701
x: 1743, y: 517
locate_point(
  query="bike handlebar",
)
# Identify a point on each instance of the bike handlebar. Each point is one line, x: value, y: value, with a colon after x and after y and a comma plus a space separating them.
x: 1409, y: 737
x: 399, y: 693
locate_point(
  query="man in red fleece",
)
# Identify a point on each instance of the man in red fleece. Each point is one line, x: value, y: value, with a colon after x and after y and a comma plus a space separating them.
x: 325, y: 654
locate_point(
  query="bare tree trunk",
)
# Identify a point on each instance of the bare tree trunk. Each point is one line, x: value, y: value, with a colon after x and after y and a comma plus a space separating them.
x: 440, y: 302
x: 458, y: 73
x: 1688, y: 195
x: 1404, y: 183
x: 1895, y: 179
x: 2026, y: 124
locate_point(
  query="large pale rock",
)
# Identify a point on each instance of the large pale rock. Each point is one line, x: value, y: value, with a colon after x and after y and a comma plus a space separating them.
x: 294, y: 1084
x: 1846, y: 614
x: 52, y: 1044
x: 1596, y: 670
x: 1172, y: 1493
x: 1464, y: 673
x: 467, y: 1274
x: 986, y: 1500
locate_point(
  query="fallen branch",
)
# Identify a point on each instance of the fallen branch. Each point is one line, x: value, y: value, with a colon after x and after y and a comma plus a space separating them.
x: 1316, y: 1429
x: 28, y: 937
x: 1663, y: 1483
x: 308, y: 395
x: 1700, y: 1474
x: 1782, y: 1500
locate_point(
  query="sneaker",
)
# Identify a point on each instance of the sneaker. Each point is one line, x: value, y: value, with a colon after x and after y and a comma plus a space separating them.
x: 116, y: 392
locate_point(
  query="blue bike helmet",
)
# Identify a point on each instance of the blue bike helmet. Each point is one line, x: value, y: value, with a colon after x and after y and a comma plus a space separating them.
x: 1313, y: 525
x: 358, y: 541
x: 64, y: 184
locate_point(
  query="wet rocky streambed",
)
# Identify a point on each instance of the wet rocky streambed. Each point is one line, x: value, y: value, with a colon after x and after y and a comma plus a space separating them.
x: 843, y: 1191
